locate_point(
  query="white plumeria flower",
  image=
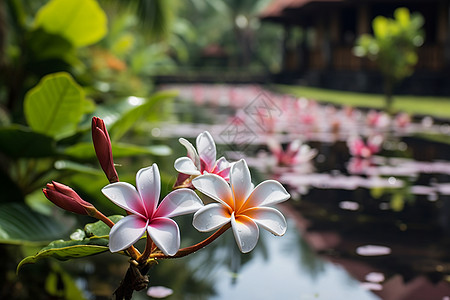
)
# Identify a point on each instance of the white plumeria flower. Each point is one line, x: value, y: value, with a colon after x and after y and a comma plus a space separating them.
x: 241, y: 204
x: 203, y: 161
x: 146, y: 214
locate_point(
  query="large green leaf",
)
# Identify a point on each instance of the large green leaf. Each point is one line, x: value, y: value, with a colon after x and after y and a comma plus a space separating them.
x: 138, y: 113
x: 18, y: 141
x: 82, y: 22
x: 86, y: 150
x: 55, y: 106
x: 20, y: 225
x: 65, y: 250
x: 93, y: 240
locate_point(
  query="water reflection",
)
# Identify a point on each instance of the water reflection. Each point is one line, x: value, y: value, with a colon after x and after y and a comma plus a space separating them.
x: 396, y: 201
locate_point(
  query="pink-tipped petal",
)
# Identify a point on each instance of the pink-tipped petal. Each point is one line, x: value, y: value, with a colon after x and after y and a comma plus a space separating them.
x: 191, y: 152
x: 185, y: 165
x: 221, y: 164
x: 241, y: 182
x: 215, y: 187
x: 125, y: 195
x: 206, y: 150
x: 126, y: 232
x: 179, y: 202
x: 268, y: 218
x: 165, y: 234
x: 148, y: 183
x: 211, y: 217
x: 245, y: 231
x: 267, y: 193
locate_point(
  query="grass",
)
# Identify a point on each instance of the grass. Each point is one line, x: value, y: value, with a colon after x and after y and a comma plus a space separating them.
x: 416, y: 105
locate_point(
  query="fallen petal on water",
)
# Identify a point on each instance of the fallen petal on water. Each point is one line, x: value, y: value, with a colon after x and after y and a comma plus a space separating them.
x: 159, y: 292
x: 373, y: 250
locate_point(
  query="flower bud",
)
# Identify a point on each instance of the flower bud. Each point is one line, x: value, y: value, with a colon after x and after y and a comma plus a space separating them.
x: 66, y: 198
x: 103, y: 150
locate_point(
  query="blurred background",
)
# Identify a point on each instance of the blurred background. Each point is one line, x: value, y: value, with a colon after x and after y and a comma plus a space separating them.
x: 345, y: 102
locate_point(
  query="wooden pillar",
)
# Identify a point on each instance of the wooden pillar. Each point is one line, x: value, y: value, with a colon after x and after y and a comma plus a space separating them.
x: 363, y: 23
x: 443, y: 31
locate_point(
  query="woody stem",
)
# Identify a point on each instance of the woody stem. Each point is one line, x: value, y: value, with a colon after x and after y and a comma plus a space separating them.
x: 189, y: 250
x: 148, y: 250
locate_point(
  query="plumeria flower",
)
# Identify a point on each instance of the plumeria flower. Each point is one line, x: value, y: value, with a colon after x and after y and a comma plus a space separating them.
x: 146, y: 215
x: 359, y: 148
x: 241, y: 204
x: 296, y: 152
x: 202, y: 160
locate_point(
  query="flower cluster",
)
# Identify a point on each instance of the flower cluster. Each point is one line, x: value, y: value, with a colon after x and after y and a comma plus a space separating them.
x: 237, y: 203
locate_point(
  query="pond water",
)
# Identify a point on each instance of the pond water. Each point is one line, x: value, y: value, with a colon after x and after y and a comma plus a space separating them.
x: 361, y: 226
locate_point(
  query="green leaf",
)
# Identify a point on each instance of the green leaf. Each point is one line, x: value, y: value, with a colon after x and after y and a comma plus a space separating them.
x: 55, y: 106
x: 100, y: 229
x: 86, y: 150
x: 80, y: 246
x: 65, y: 250
x: 76, y: 167
x: 127, y: 120
x: 19, y: 225
x: 82, y: 22
x: 17, y: 142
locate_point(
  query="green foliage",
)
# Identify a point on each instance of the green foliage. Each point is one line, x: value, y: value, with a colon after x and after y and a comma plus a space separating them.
x: 393, y: 46
x: 19, y: 225
x: 82, y: 22
x: 90, y: 241
x: 55, y: 106
x: 19, y: 142
x: 130, y: 118
x: 394, y: 43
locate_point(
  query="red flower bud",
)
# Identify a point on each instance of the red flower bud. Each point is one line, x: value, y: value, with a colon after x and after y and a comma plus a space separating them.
x: 102, y: 146
x: 66, y: 198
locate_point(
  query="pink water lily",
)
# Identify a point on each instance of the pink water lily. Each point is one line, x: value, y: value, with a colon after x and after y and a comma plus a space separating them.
x: 241, y: 204
x: 203, y: 160
x: 295, y: 153
x: 146, y: 215
x: 359, y: 148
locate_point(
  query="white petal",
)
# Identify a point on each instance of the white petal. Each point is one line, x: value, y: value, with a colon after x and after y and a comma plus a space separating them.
x: 206, y: 149
x: 179, y: 202
x: 191, y: 152
x: 266, y: 193
x: 211, y: 217
x: 241, y: 182
x: 148, y: 183
x: 221, y: 164
x: 186, y: 166
x: 246, y: 232
x: 268, y: 218
x: 126, y: 232
x: 125, y: 195
x: 215, y: 187
x: 165, y: 234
